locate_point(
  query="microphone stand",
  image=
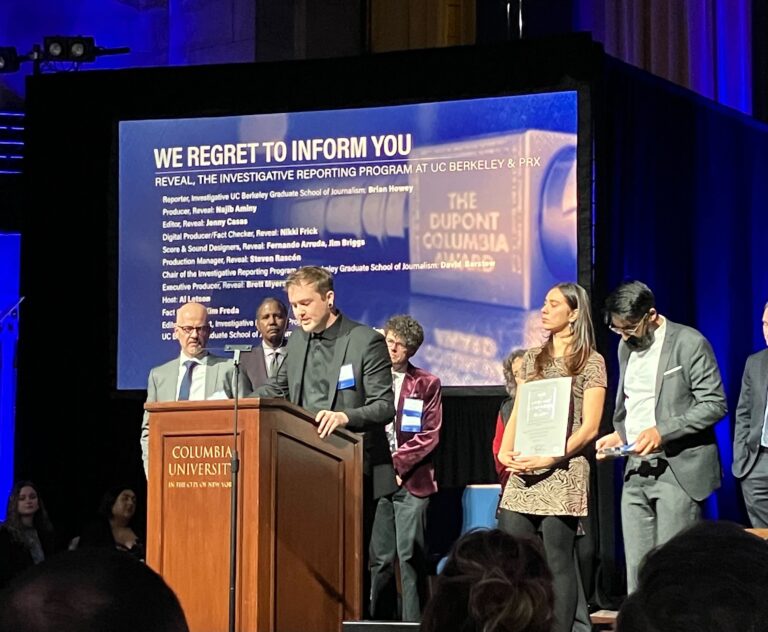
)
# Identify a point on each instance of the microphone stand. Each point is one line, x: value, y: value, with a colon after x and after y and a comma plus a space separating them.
x: 235, y: 466
x: 11, y: 310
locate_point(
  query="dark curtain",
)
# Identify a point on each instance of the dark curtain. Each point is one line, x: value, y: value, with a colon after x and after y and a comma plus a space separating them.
x: 704, y: 45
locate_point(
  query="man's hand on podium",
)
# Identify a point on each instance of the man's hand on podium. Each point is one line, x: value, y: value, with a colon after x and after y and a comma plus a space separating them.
x: 329, y: 421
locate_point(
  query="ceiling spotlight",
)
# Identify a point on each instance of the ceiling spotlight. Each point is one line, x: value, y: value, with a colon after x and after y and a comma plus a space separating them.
x: 53, y: 47
x: 9, y: 59
x: 66, y: 48
x: 82, y: 48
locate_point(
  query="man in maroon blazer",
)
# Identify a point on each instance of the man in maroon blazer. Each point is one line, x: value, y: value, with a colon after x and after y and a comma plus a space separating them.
x: 398, y: 528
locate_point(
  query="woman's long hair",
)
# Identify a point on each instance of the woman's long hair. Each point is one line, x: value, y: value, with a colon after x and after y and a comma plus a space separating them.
x: 583, y: 341
x: 40, y: 521
x: 492, y: 582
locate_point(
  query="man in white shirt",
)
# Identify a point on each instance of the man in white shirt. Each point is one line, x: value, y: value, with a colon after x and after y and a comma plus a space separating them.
x: 264, y: 361
x: 194, y: 374
x: 669, y: 397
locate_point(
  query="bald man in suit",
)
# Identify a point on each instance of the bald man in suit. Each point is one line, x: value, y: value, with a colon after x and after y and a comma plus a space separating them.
x: 750, y: 436
x: 194, y: 374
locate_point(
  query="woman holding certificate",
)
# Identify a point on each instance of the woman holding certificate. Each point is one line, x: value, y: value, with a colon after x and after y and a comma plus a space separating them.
x: 556, y: 415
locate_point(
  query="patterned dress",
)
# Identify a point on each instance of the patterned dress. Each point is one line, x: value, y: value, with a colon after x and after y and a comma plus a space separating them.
x: 561, y: 490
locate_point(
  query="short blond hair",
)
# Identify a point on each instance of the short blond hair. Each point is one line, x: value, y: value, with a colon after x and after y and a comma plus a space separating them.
x: 311, y: 275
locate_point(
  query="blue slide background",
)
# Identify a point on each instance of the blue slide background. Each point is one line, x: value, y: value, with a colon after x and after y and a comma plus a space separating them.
x: 465, y: 339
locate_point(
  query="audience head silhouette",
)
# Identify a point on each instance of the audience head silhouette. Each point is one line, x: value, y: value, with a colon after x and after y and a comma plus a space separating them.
x: 713, y: 576
x: 492, y: 582
x: 90, y: 590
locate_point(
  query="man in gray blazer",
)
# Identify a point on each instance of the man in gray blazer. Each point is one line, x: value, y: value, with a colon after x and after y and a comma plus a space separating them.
x: 194, y: 375
x: 669, y: 397
x: 750, y: 436
x: 264, y: 361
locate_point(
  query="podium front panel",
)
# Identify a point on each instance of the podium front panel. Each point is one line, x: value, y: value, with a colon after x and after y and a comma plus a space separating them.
x: 197, y: 484
x: 309, y: 488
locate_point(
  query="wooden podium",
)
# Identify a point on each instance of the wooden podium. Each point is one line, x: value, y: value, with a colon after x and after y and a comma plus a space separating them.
x: 299, y: 515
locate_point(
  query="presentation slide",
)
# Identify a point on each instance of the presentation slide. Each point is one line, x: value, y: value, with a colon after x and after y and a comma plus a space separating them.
x: 461, y: 213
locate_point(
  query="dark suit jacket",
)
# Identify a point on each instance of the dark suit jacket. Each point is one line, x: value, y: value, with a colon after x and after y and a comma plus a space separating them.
x: 749, y: 414
x: 413, y: 459
x: 689, y: 401
x: 369, y: 404
x: 253, y: 366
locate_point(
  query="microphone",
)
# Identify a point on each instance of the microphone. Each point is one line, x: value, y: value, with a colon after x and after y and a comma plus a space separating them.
x: 228, y: 348
x: 238, y: 347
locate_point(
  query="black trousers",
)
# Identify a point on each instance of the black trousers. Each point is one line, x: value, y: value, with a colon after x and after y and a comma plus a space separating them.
x: 559, y: 535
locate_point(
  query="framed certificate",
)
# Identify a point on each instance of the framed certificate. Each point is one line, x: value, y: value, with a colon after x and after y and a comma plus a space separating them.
x: 542, y: 417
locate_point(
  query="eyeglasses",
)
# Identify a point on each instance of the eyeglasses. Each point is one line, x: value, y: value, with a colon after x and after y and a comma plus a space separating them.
x: 630, y: 330
x: 203, y: 329
x: 394, y: 344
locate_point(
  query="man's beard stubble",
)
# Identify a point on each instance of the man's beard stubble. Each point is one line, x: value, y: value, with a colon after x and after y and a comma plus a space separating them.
x: 641, y: 343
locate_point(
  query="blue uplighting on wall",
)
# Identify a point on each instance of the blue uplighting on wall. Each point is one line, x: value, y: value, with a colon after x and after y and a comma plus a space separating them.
x: 10, y: 251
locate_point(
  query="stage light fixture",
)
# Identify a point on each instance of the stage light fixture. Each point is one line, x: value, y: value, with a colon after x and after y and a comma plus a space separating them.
x: 9, y: 59
x: 67, y: 48
x: 57, y: 48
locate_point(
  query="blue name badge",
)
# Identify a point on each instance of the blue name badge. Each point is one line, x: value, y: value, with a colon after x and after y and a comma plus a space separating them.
x: 346, y: 378
x: 411, y: 419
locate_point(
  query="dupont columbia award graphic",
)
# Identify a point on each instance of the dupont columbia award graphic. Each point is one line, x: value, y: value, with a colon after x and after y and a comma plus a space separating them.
x: 460, y: 213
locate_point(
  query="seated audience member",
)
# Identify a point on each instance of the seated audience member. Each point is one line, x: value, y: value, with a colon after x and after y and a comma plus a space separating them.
x: 713, y: 577
x: 26, y: 536
x: 90, y: 590
x: 492, y: 582
x: 114, y: 526
x: 512, y: 379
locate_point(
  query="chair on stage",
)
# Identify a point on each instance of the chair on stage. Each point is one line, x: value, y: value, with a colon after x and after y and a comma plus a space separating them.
x: 478, y: 504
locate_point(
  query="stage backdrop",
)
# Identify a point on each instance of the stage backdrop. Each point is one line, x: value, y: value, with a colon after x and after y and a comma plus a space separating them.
x: 680, y: 197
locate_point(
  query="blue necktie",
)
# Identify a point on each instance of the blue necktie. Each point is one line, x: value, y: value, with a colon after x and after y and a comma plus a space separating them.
x: 186, y: 381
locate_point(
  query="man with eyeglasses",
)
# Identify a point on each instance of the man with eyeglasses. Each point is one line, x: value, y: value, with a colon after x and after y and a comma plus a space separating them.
x: 194, y: 374
x: 400, y: 521
x: 750, y: 436
x: 669, y: 398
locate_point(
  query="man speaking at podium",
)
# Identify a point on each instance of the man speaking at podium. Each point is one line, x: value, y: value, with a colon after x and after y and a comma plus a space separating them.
x: 194, y: 375
x: 340, y: 371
